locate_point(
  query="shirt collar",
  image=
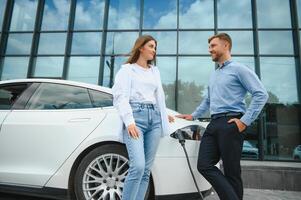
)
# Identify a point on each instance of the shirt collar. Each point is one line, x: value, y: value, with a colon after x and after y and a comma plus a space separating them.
x: 224, y: 64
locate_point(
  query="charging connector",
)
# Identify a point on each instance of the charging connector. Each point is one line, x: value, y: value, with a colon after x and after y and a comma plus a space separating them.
x: 180, y: 137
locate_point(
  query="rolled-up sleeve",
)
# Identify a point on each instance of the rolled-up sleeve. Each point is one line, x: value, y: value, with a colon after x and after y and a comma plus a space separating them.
x: 121, y: 95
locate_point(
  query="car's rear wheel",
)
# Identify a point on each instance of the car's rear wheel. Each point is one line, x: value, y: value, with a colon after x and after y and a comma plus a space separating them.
x: 101, y: 173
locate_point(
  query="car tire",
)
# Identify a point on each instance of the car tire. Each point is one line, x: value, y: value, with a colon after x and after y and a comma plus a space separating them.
x: 101, y: 174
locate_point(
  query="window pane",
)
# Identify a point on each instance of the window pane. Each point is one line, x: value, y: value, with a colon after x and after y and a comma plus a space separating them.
x: 84, y: 69
x: 19, y: 43
x: 282, y: 132
x: 248, y: 61
x: 112, y: 65
x: 15, y: 67
x: 10, y: 94
x: 56, y: 96
x: 89, y: 14
x: 49, y: 67
x: 242, y: 42
x: 249, y: 150
x: 273, y: 14
x: 160, y: 14
x: 193, y: 86
x: 24, y: 14
x: 2, y: 9
x: 120, y: 43
x: 86, y: 43
x: 193, y: 13
x: 275, y: 42
x: 167, y: 67
x: 299, y: 12
x: 56, y: 15
x: 234, y: 14
x: 279, y: 78
x: 100, y: 99
x: 52, y: 43
x: 124, y: 14
x: 167, y: 41
x: 192, y: 42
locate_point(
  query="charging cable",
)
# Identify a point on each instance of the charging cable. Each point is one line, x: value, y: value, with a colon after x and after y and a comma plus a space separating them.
x: 181, y: 139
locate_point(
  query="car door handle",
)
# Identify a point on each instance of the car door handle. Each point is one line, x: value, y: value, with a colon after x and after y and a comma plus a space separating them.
x: 79, y: 120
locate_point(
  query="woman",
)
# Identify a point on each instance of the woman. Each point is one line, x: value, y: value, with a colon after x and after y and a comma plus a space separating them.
x: 139, y: 98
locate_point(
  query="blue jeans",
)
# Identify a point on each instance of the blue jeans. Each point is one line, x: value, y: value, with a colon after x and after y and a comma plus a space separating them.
x: 141, y: 151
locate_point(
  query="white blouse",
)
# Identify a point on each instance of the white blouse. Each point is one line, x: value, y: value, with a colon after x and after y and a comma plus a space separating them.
x: 134, y: 84
x: 144, y: 85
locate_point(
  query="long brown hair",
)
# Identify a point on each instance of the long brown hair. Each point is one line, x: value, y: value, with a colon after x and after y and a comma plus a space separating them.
x: 135, y: 53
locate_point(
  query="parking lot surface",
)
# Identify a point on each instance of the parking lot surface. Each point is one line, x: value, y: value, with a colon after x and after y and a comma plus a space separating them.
x: 249, y: 194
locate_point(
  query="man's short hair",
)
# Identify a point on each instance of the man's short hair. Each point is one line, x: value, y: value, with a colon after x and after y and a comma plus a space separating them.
x: 222, y: 36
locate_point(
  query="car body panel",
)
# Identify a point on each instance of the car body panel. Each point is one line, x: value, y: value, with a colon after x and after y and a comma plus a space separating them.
x: 3, y: 114
x: 35, y: 143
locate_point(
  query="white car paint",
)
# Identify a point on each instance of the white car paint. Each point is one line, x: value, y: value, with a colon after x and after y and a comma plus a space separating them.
x: 39, y: 147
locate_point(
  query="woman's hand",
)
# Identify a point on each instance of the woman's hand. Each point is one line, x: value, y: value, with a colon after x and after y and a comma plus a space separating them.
x: 171, y: 119
x: 133, y: 131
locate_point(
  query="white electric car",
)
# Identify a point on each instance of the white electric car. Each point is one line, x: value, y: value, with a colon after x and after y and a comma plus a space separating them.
x: 62, y: 139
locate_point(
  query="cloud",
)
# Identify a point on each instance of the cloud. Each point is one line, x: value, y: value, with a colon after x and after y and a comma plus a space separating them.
x: 273, y: 14
x: 85, y: 69
x: 234, y: 14
x: 278, y: 76
x: 49, y: 67
x: 15, y: 67
x: 89, y: 14
x: 24, y: 14
x: 56, y: 15
x: 199, y: 14
x: 275, y: 42
x: 19, y: 43
x: 52, y: 43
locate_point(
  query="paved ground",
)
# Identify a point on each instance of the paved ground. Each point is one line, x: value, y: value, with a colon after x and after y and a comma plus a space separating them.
x: 255, y: 194
x: 250, y: 194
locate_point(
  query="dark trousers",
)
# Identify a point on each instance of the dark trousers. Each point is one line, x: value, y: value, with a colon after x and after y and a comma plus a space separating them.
x: 222, y: 140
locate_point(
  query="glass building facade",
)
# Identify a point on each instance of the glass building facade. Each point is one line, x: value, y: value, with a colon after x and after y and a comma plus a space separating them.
x: 88, y: 40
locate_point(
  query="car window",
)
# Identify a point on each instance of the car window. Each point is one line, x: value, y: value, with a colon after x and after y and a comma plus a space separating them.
x: 58, y: 96
x: 101, y: 99
x: 9, y: 94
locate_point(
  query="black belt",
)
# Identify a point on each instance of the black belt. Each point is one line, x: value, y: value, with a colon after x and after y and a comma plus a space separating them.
x: 227, y: 114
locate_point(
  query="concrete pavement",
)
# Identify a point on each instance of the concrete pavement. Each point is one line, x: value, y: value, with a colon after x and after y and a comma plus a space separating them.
x: 256, y: 194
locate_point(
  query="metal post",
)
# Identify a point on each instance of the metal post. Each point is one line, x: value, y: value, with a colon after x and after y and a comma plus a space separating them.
x: 5, y: 30
x: 296, y: 42
x: 36, y: 38
x: 103, y: 42
x: 261, y: 119
x: 69, y: 39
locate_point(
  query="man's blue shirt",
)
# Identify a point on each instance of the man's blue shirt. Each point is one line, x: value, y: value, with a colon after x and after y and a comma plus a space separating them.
x: 228, y: 86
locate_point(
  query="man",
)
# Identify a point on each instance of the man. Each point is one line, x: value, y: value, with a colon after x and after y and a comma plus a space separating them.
x: 223, y: 138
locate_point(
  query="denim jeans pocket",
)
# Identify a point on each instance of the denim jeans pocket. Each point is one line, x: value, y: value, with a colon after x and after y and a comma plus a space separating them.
x: 136, y: 109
